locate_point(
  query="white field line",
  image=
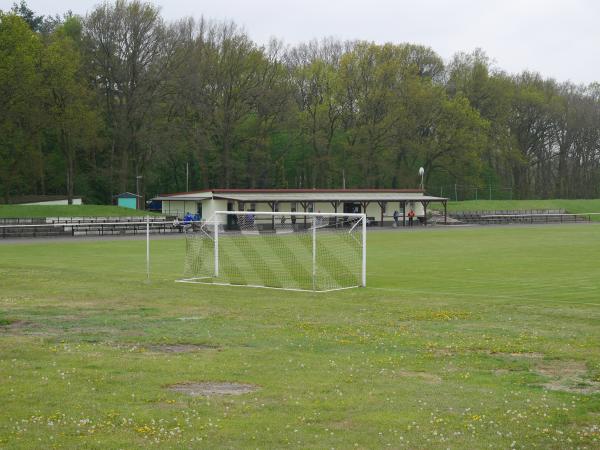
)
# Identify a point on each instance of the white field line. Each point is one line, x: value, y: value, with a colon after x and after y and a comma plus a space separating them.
x: 192, y: 281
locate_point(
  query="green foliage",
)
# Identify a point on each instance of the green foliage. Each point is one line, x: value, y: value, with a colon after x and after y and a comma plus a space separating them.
x: 15, y: 211
x: 24, y: 12
x: 92, y: 104
x: 21, y: 113
x: 73, y: 123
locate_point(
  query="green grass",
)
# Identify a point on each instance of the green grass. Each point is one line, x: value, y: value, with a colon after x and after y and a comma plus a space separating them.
x: 572, y: 206
x: 448, y: 347
x: 67, y: 211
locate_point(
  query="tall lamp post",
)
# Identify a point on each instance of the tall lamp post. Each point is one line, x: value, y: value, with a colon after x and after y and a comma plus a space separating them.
x: 422, y: 173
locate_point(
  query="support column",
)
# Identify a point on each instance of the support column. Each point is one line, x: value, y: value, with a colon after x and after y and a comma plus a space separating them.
x: 382, y: 206
x: 272, y: 205
x: 403, y: 206
x: 364, y: 205
x: 424, y: 203
x: 304, y: 206
x: 445, y: 212
x: 335, y: 204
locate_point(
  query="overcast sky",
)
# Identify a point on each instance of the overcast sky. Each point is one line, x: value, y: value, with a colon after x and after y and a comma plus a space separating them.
x: 559, y: 38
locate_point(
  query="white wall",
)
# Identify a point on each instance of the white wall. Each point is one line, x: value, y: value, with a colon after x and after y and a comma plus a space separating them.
x: 210, y: 206
x: 179, y: 208
x: 76, y: 201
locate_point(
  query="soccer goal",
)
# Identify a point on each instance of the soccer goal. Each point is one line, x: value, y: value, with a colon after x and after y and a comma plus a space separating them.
x: 284, y: 250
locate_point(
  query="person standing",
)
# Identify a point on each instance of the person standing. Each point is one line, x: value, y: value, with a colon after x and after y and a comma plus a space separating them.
x: 411, y: 217
x: 396, y: 215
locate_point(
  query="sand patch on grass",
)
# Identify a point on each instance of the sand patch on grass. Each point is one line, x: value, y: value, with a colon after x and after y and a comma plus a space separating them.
x: 567, y: 376
x: 441, y: 352
x: 563, y: 375
x: 518, y: 355
x: 425, y: 376
x: 9, y: 324
x: 180, y: 348
x: 346, y: 424
x: 527, y: 355
x: 561, y: 369
x: 15, y: 326
x: 209, y: 388
x: 579, y: 387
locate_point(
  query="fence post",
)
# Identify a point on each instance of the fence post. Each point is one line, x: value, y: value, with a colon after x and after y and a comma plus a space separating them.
x: 216, y: 245
x: 314, y: 253
x: 147, y: 247
x: 364, y: 251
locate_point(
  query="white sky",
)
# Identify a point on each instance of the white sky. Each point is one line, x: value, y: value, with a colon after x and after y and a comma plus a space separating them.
x: 558, y: 38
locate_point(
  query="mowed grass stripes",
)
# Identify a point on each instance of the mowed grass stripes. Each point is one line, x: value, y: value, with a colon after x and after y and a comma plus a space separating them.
x: 279, y: 260
x: 464, y: 338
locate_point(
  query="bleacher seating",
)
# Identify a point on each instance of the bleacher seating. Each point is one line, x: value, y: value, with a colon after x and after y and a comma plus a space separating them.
x: 532, y: 216
x: 73, y: 226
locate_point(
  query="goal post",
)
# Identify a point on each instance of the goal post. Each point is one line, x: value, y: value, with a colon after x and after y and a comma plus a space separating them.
x: 285, y: 250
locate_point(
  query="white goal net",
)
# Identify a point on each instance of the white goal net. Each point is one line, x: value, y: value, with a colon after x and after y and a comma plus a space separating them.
x: 285, y: 250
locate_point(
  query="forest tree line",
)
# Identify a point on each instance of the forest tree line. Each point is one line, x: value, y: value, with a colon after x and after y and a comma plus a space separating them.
x: 90, y: 105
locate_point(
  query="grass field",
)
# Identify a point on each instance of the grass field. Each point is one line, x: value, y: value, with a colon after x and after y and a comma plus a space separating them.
x: 572, y: 206
x: 465, y: 338
x: 68, y: 211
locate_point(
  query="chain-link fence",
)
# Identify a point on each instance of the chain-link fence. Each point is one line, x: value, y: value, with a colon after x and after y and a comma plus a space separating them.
x: 459, y: 192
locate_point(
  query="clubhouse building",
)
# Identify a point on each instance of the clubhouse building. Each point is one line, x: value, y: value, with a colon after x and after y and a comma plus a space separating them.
x: 378, y: 204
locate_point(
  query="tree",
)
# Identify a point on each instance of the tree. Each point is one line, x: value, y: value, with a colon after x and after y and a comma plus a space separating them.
x: 130, y: 50
x: 21, y: 97
x: 315, y: 78
x: 22, y: 10
x: 491, y: 93
x: 70, y: 101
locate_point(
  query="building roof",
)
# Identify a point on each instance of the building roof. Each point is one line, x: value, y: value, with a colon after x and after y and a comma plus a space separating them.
x: 298, y: 195
x: 127, y: 195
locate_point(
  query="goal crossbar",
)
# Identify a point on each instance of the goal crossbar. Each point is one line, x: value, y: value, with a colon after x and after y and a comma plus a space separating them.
x: 291, y: 213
